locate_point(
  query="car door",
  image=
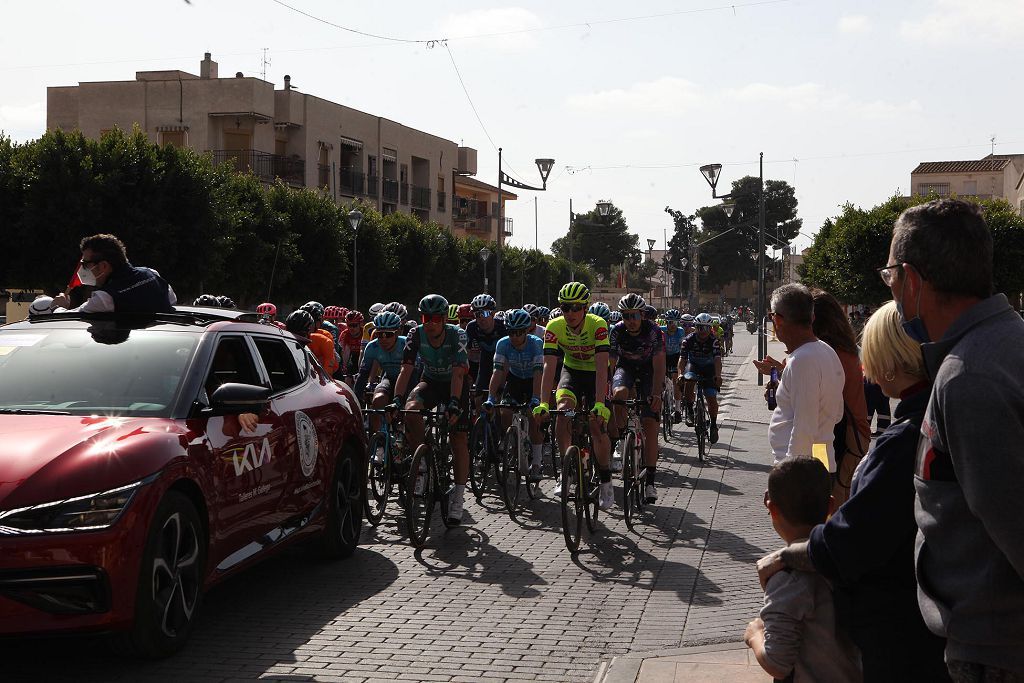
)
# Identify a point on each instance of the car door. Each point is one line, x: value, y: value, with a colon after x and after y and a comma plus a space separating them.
x: 248, y: 478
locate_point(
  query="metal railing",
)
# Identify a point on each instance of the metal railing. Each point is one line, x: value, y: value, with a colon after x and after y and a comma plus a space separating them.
x: 464, y: 208
x: 442, y: 202
x: 508, y: 227
x: 265, y: 166
x: 350, y: 181
x: 420, y: 197
x: 389, y: 191
x: 404, y: 193
x: 371, y: 186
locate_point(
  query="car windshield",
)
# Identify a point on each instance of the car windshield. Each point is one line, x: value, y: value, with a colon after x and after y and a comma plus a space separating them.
x: 98, y: 370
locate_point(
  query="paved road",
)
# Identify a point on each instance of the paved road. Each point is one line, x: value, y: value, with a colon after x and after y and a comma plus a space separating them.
x: 494, y: 600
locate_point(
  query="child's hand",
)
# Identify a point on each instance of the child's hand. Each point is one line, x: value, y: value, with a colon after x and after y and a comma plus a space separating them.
x: 755, y: 630
x: 768, y: 566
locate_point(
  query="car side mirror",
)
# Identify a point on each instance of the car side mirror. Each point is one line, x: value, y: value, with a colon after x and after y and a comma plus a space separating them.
x: 232, y: 398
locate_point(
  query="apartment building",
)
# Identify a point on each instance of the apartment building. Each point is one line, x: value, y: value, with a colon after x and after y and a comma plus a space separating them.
x: 996, y: 176
x: 301, y: 139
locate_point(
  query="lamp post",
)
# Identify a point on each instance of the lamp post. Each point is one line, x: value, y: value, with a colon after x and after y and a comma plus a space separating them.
x: 355, y: 217
x: 485, y: 254
x: 544, y: 167
x: 711, y: 173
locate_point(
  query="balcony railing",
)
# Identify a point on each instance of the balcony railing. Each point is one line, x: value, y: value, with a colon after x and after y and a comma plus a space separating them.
x: 371, y: 186
x: 420, y: 197
x: 508, y: 227
x: 267, y: 167
x: 442, y: 203
x: 469, y: 209
x: 390, y: 190
x: 350, y: 181
x: 405, y: 193
x: 324, y: 175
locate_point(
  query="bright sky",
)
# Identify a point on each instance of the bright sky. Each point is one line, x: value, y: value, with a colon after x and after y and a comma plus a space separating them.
x: 844, y: 97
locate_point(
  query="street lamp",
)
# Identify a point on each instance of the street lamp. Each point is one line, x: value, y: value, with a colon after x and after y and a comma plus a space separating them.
x: 355, y: 217
x: 650, y: 244
x: 604, y: 207
x: 544, y: 167
x: 712, y: 173
x: 485, y: 254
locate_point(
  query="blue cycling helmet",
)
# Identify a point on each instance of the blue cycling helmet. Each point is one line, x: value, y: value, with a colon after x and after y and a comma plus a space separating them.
x: 600, y: 309
x: 541, y: 313
x: 672, y: 314
x: 518, y: 319
x: 387, y: 321
x: 614, y: 317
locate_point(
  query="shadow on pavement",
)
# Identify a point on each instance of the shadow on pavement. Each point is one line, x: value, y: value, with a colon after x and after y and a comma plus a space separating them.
x: 292, y: 597
x: 466, y: 552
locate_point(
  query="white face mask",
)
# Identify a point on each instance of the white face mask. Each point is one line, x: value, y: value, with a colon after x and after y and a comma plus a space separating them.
x: 86, y: 276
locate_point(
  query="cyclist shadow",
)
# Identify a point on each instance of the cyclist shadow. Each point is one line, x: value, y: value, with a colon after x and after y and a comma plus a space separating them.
x: 466, y: 552
x: 617, y: 558
x: 670, y: 527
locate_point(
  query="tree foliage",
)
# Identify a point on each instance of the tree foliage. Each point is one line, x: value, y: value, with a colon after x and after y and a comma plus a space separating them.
x: 848, y: 249
x: 208, y: 229
x: 600, y: 242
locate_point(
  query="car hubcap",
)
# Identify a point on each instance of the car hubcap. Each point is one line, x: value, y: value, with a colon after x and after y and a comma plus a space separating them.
x: 176, y: 575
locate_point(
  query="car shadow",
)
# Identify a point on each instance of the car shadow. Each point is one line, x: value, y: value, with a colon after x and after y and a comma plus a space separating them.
x: 247, y: 625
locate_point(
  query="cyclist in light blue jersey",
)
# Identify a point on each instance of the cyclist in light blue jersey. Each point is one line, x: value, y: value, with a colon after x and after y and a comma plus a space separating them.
x: 518, y: 366
x: 674, y: 335
x: 383, y: 358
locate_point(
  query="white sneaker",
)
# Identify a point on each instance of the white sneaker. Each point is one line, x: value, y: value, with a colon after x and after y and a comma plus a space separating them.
x: 378, y: 456
x: 606, y: 498
x: 616, y: 461
x: 455, y: 503
x: 650, y: 493
x: 558, y: 489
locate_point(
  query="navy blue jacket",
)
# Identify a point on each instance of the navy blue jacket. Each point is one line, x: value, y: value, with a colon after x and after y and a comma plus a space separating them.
x: 137, y: 290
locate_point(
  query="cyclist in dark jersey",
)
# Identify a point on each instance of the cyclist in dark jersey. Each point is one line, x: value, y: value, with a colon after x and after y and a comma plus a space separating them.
x: 442, y: 350
x: 638, y: 354
x: 702, y: 354
x: 483, y: 334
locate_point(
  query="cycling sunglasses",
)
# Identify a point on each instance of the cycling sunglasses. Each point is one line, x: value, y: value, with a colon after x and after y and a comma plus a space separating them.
x: 386, y: 335
x: 434, y: 317
x: 516, y: 333
x: 573, y: 308
x: 636, y: 315
x: 483, y: 313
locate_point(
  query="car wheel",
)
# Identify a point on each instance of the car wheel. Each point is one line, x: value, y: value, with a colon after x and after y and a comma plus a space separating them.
x: 170, y: 587
x: 344, y: 507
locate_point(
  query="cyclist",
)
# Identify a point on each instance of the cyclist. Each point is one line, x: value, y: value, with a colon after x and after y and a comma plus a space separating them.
x: 727, y: 326
x: 600, y: 309
x: 686, y: 322
x: 465, y: 315
x: 207, y: 300
x: 702, y: 355
x: 453, y: 315
x: 674, y: 336
x: 383, y: 356
x: 649, y: 313
x: 442, y: 350
x: 540, y: 317
x: 637, y: 351
x: 581, y: 339
x: 302, y: 323
x: 555, y: 313
x: 614, y: 318
x: 351, y: 342
x: 483, y: 334
x: 518, y: 367
x: 369, y: 327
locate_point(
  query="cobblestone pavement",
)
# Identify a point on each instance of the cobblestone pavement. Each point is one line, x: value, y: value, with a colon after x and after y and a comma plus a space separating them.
x: 493, y: 600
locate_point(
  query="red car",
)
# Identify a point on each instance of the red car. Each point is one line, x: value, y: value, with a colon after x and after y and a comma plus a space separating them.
x: 144, y: 458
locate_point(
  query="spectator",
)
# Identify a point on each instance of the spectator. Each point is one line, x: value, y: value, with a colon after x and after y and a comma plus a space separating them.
x: 970, y: 465
x: 120, y: 286
x: 810, y: 391
x: 877, y: 402
x: 852, y: 434
x: 797, y: 634
x: 866, y: 549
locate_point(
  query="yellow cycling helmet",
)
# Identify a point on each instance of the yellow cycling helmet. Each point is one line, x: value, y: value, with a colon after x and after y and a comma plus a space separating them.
x: 574, y: 293
x: 453, y: 314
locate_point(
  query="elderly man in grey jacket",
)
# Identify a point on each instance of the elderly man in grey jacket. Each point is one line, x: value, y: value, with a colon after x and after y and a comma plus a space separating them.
x: 970, y: 462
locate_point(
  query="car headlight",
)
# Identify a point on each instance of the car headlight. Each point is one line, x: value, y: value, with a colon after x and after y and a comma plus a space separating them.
x: 83, y: 513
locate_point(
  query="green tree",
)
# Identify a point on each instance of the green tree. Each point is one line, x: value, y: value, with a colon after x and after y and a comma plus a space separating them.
x: 599, y: 242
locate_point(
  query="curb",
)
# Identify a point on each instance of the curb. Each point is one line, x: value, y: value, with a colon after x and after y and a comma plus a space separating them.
x: 626, y: 668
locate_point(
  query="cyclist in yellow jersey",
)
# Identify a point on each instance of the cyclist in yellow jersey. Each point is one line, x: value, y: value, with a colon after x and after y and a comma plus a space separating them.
x: 581, y: 339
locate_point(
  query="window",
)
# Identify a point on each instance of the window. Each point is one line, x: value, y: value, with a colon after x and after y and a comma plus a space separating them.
x: 301, y: 356
x: 971, y: 187
x: 371, y: 165
x: 280, y: 364
x: 941, y: 189
x: 231, y: 363
x: 174, y: 138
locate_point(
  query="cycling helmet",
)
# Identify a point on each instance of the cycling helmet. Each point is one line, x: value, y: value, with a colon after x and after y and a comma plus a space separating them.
x: 376, y: 308
x: 716, y: 320
x: 541, y: 313
x: 40, y: 305
x: 386, y: 320
x: 555, y: 313
x: 409, y: 325
x: 687, y: 319
x: 650, y: 312
x: 518, y: 319
x: 453, y: 314
x: 614, y: 317
x: 226, y: 301
x: 703, y: 320
x: 574, y: 293
x: 465, y: 312
x: 672, y: 315
x: 600, y: 309
x: 299, y: 322
x: 206, y: 300
x: 398, y: 309
x: 314, y: 308
x: 530, y: 308
x: 500, y: 315
x: 354, y: 317
x: 266, y: 309
x: 433, y: 304
x: 334, y: 313
x: 632, y: 302
x: 482, y: 302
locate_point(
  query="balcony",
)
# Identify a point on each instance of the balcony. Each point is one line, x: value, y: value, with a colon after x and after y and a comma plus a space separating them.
x: 465, y: 209
x: 390, y: 191
x: 350, y: 181
x: 267, y: 167
x: 404, y: 194
x: 442, y: 201
x: 324, y: 175
x: 508, y: 227
x: 371, y: 186
x: 420, y: 197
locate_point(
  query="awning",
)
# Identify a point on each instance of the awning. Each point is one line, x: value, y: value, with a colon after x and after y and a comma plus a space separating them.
x: 389, y: 154
x: 350, y: 142
x: 172, y: 129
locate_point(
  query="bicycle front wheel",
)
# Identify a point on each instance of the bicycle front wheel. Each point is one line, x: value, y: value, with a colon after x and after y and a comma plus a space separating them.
x: 481, y: 457
x: 421, y: 491
x: 511, y: 471
x: 666, y: 414
x: 628, y: 477
x: 701, y: 423
x: 591, y: 494
x: 571, y: 498
x: 378, y: 479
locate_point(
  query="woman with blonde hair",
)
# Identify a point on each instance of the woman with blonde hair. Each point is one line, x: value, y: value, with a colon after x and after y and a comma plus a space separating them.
x: 867, y: 547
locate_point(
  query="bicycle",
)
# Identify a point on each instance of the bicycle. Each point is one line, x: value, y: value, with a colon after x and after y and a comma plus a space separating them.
x: 580, y: 481
x: 516, y: 466
x: 634, y: 474
x: 429, y: 477
x: 701, y: 421
x: 386, y: 466
x: 484, y: 463
x: 668, y: 408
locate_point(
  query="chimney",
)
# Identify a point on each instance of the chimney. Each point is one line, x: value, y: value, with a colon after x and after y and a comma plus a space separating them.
x: 287, y: 82
x: 207, y: 67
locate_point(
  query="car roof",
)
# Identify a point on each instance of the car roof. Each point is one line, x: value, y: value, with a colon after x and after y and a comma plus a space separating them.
x: 183, y: 318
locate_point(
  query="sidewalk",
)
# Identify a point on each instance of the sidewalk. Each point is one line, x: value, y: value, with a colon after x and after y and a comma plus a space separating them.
x: 725, y: 595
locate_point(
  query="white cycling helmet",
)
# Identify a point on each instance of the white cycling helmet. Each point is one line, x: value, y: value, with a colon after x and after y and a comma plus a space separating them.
x: 703, y: 320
